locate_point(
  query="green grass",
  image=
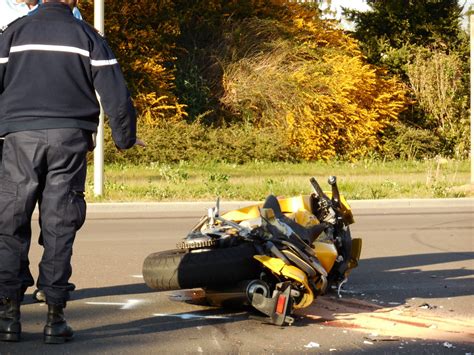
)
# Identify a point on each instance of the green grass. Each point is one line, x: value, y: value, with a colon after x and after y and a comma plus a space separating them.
x: 371, y: 179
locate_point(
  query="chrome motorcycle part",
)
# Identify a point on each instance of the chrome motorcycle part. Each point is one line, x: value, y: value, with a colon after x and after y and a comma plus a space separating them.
x: 243, y: 231
x: 197, y: 240
x: 339, y: 286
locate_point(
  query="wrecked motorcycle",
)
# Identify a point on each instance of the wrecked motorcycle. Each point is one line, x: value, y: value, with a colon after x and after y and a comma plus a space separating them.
x: 276, y: 257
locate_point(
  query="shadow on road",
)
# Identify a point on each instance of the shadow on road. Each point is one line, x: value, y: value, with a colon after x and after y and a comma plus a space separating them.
x: 399, y: 278
x: 120, y: 290
x: 161, y: 323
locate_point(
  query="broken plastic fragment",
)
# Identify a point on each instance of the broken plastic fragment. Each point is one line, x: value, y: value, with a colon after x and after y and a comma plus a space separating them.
x: 311, y: 345
x: 448, y: 345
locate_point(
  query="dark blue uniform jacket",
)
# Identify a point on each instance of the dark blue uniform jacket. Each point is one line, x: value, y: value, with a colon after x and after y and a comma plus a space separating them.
x: 51, y: 66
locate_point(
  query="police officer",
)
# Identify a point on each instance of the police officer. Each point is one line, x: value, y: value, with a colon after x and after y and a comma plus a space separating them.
x: 51, y: 64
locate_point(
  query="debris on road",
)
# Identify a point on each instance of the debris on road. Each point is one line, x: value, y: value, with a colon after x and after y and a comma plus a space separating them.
x: 311, y: 345
x: 427, y: 306
x: 448, y: 345
x: 376, y: 337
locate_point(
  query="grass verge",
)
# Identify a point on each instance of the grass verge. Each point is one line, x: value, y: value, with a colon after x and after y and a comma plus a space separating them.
x: 371, y: 179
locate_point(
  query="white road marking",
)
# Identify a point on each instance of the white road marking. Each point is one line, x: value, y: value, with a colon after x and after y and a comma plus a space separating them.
x: 130, y: 304
x: 137, y: 276
x: 187, y: 316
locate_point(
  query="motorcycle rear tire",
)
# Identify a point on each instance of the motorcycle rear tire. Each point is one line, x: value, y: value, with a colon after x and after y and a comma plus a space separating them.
x: 180, y: 269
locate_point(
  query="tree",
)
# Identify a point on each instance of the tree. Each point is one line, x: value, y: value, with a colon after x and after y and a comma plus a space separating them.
x: 142, y: 34
x: 436, y: 80
x: 393, y: 34
x: 394, y: 25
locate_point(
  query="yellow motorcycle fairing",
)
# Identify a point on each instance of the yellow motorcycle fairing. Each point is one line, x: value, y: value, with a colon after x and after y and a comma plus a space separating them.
x: 278, y: 267
x: 326, y: 254
x: 299, y: 206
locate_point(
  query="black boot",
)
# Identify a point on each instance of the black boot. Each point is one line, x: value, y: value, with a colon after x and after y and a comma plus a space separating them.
x: 56, y: 330
x: 10, y: 326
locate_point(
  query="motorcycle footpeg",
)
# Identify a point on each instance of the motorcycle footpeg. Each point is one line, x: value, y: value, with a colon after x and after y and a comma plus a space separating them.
x: 278, y: 307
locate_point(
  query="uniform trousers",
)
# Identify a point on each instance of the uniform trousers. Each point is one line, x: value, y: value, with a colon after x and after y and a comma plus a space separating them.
x: 48, y: 168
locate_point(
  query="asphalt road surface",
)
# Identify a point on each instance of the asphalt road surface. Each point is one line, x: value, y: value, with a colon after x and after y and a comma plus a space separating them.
x: 413, y: 291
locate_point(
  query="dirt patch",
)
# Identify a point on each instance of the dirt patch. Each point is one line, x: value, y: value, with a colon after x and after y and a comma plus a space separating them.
x: 389, y: 322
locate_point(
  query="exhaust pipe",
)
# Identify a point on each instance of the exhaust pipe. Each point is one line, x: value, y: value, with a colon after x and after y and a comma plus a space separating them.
x: 239, y: 295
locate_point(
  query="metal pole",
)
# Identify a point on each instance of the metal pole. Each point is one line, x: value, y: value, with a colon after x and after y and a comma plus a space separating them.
x: 99, y: 149
x: 471, y: 31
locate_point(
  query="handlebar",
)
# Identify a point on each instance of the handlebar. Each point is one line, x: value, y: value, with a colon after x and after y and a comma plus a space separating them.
x: 336, y: 198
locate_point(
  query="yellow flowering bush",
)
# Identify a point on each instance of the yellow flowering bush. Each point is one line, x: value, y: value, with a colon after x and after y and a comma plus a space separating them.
x: 311, y: 80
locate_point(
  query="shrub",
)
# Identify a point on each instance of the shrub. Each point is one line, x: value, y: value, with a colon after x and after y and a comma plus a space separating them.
x: 310, y: 80
x: 405, y: 142
x: 180, y: 141
x: 436, y: 81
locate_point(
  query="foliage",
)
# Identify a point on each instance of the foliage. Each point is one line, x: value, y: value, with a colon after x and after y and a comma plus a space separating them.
x: 424, y: 43
x: 199, y: 69
x: 244, y: 80
x: 311, y: 81
x: 181, y: 141
x: 391, y: 25
x: 403, y: 142
x: 436, y: 80
x: 143, y: 34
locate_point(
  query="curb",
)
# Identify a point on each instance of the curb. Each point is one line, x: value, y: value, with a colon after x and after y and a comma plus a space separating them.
x: 203, y: 206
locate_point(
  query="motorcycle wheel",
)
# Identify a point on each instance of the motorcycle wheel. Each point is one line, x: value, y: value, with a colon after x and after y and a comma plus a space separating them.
x: 181, y: 269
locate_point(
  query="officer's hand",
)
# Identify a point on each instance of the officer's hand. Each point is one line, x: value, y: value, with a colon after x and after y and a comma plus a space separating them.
x: 140, y: 143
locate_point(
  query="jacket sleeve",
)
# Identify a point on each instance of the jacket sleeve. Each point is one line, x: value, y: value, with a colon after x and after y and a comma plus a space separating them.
x: 114, y: 96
